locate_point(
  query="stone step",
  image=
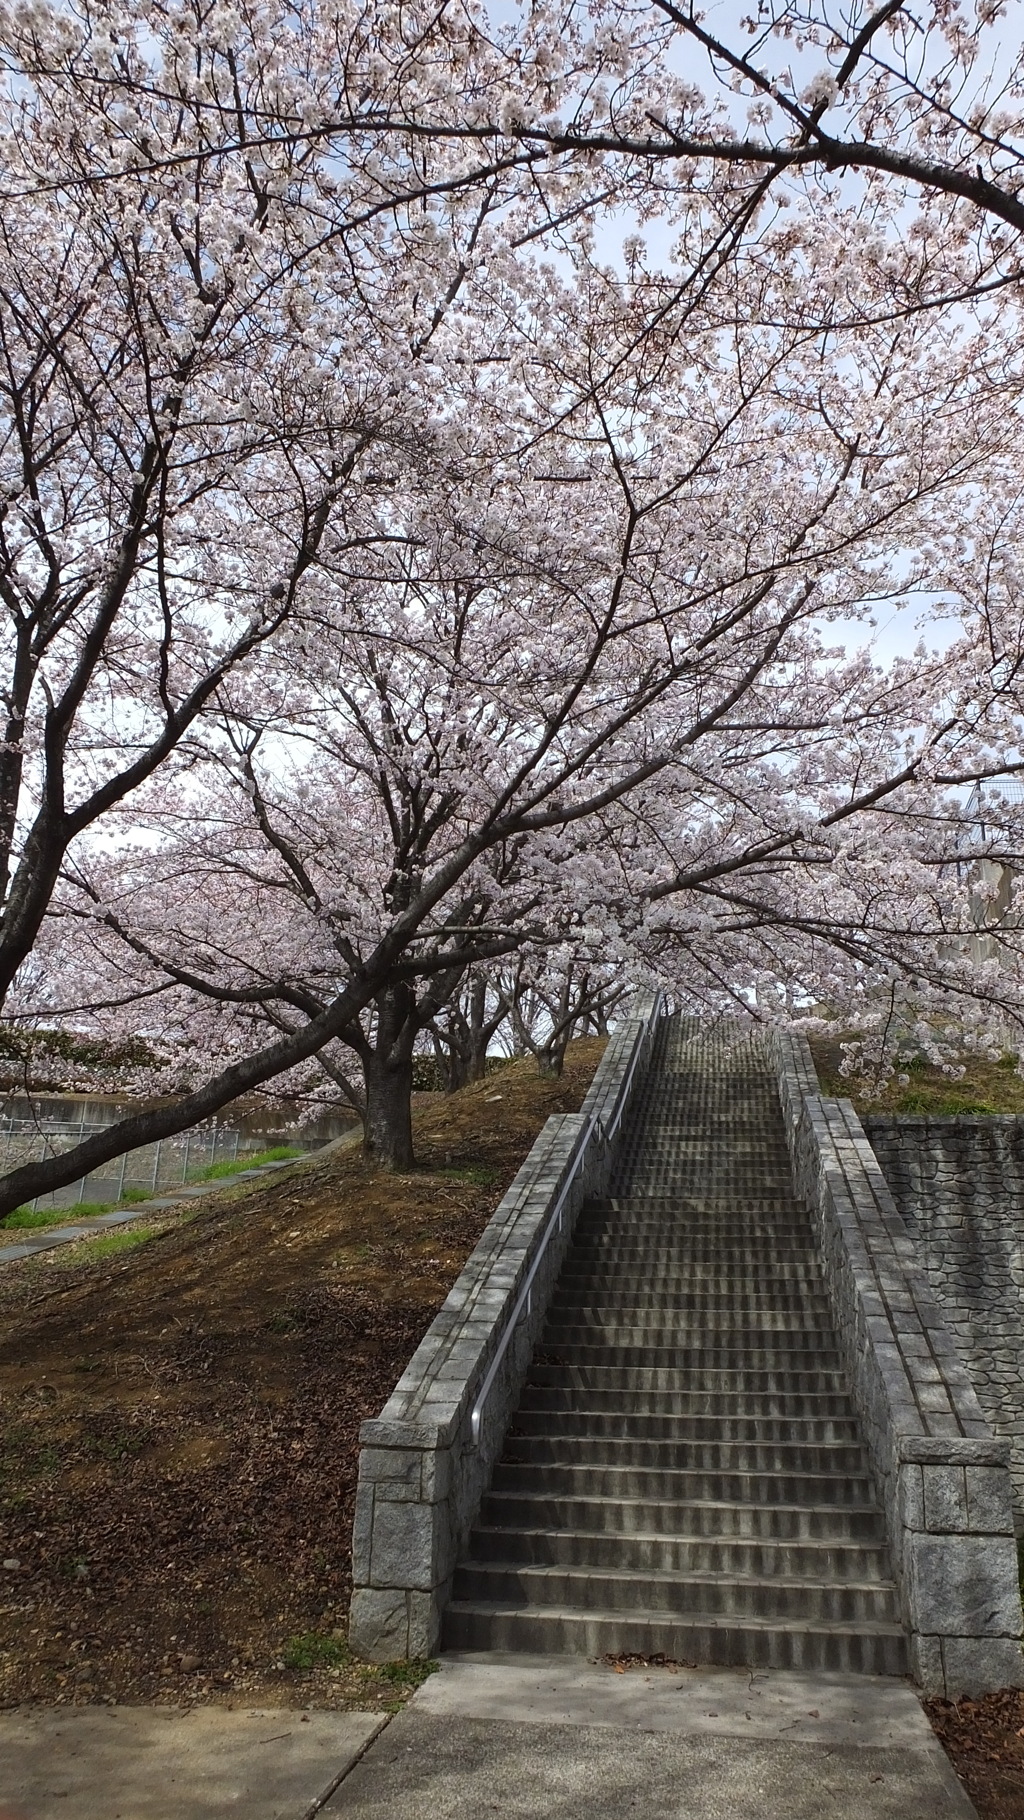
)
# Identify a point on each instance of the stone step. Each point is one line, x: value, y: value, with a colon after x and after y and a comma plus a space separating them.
x: 712, y: 1274
x: 538, y: 1417
x: 628, y: 1301
x: 711, y: 1518
x: 785, y: 1457
x: 672, y: 1378
x: 870, y: 1649
x: 654, y: 1206
x: 664, y: 1129
x: 683, y: 1255
x: 687, y: 1235
x: 702, y: 1197
x: 768, y: 1200
x: 728, y: 1226
x: 707, y: 1278
x: 655, y: 1332
x: 677, y: 1277
x: 684, y: 1237
x: 695, y: 1179
x: 685, y: 1474
x: 695, y: 1201
x: 826, y: 1561
x: 653, y: 1339
x: 701, y: 1313
x: 689, y: 1595
x: 701, y: 1183
x: 676, y: 1321
x: 568, y: 1480
x: 786, y: 1351
x: 735, y: 1231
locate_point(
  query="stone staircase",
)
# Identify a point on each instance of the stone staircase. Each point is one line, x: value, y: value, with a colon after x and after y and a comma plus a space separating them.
x: 684, y: 1476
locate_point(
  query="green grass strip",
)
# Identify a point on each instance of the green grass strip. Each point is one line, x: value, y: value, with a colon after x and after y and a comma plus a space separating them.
x: 278, y: 1153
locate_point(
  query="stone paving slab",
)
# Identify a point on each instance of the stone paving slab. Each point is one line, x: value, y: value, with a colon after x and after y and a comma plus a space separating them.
x: 429, y: 1766
x: 159, y: 1763
x: 44, y: 1238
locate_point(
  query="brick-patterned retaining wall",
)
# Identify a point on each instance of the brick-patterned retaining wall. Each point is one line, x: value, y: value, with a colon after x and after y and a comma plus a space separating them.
x: 942, y: 1474
x: 959, y: 1184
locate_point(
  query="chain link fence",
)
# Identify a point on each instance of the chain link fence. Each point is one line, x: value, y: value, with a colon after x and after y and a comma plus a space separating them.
x: 29, y: 1134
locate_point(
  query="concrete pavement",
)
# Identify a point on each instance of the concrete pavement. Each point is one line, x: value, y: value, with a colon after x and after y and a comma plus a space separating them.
x: 158, y: 1763
x: 532, y: 1738
x: 549, y: 1738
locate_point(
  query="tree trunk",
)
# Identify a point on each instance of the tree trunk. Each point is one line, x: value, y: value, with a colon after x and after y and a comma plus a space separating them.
x: 461, y: 1048
x: 477, y: 1032
x: 449, y: 1063
x: 387, y: 1071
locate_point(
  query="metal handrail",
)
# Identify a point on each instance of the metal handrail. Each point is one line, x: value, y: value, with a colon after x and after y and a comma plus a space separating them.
x: 524, y: 1300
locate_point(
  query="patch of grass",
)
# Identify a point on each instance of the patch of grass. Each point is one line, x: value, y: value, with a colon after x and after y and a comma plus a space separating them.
x: 24, y: 1457
x: 111, y: 1244
x: 944, y: 1105
x: 121, y: 1444
x: 985, y: 1088
x: 480, y: 1174
x: 308, y: 1650
x: 28, y: 1219
x: 408, y: 1674
x: 278, y: 1153
x: 283, y: 1322
x: 217, y: 1172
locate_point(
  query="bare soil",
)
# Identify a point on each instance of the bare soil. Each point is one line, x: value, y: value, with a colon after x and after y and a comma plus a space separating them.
x: 179, y: 1422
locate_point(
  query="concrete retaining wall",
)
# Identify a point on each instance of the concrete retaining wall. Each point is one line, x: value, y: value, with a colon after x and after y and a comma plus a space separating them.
x: 943, y: 1476
x: 427, y: 1459
x: 959, y: 1184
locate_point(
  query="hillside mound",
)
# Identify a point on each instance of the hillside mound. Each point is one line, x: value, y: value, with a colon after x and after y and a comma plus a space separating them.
x: 180, y: 1419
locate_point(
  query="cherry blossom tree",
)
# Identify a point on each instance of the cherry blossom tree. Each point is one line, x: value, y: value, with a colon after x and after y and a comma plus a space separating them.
x: 597, y: 704
x: 322, y: 475
x: 557, y: 995
x: 197, y: 397
x: 463, y: 1031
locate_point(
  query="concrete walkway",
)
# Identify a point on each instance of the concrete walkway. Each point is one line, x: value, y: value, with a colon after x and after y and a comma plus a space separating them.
x: 534, y: 1738
x: 158, y: 1763
x: 547, y: 1738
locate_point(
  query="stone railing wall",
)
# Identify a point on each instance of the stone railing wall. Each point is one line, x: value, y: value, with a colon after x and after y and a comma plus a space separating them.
x: 427, y: 1459
x: 959, y: 1184
x: 942, y: 1475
